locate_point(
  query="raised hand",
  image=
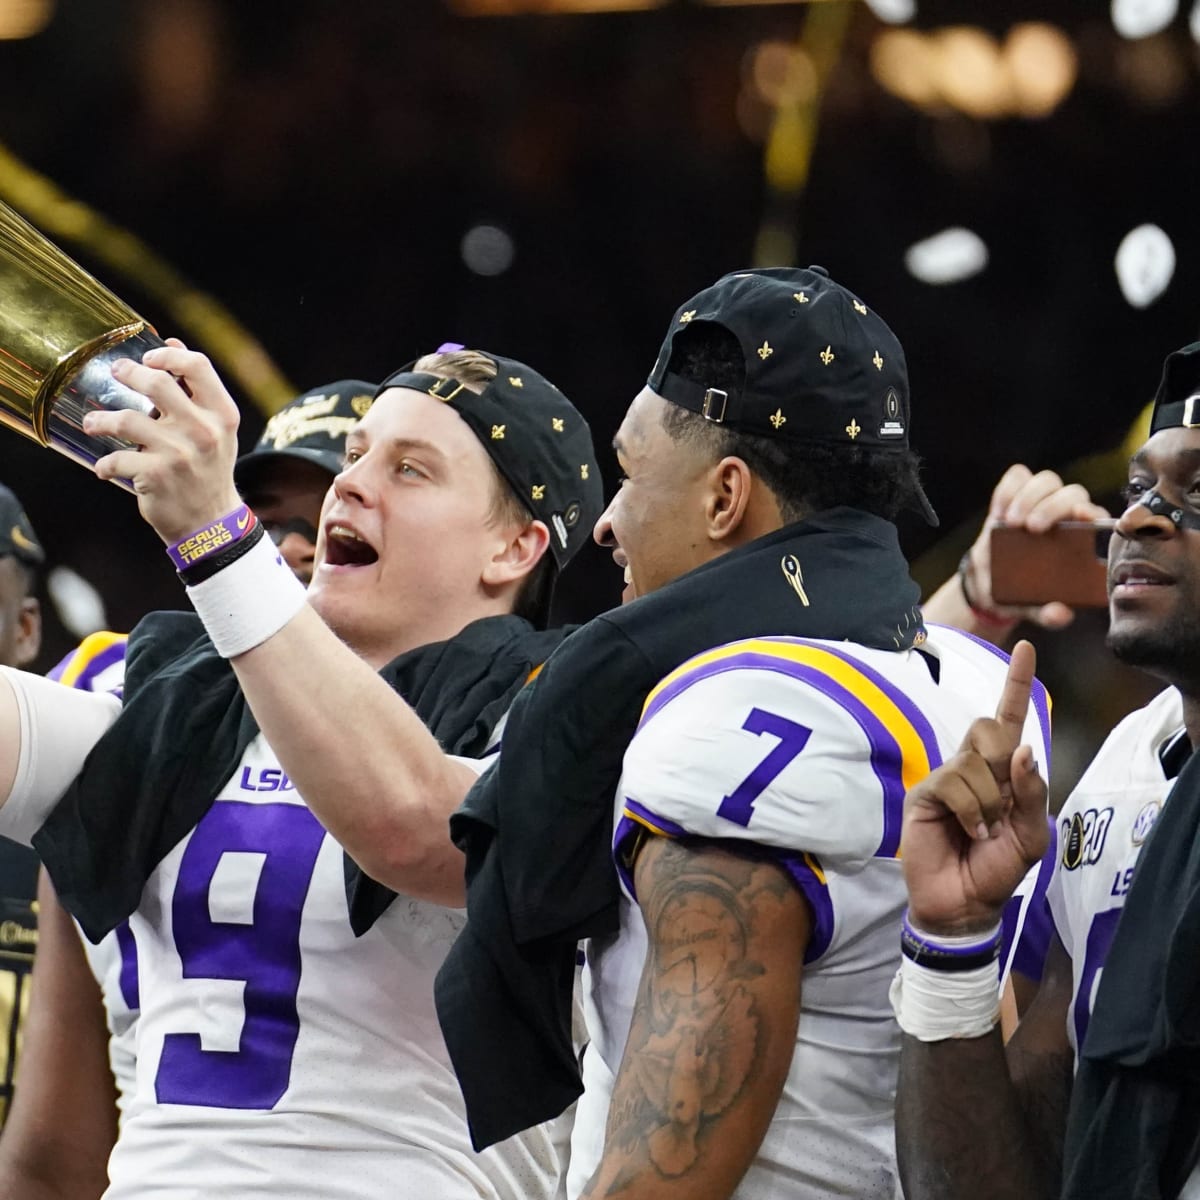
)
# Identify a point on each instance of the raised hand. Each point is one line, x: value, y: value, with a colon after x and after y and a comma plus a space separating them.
x: 975, y: 825
x: 1036, y: 502
x: 182, y: 469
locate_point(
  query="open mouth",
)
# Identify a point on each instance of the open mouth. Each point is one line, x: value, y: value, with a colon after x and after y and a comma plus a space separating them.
x: 344, y: 547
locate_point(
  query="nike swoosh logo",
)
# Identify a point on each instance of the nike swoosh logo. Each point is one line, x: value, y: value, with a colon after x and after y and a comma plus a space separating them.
x: 243, y: 521
x: 19, y: 539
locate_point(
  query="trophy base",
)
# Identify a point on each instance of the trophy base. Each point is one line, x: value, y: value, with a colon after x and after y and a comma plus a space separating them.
x: 90, y: 388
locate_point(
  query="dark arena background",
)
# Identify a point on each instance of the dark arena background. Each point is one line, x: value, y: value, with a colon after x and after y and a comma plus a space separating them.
x: 309, y: 191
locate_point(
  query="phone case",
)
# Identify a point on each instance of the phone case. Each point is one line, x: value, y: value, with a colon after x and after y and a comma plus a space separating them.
x: 1065, y: 563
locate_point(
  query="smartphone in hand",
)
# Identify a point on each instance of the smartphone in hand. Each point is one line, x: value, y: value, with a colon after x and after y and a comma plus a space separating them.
x: 1067, y: 563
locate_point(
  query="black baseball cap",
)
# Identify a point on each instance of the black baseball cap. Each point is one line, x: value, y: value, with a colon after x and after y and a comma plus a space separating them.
x: 537, y: 438
x: 16, y: 533
x: 820, y: 365
x: 312, y: 427
x: 1177, y: 401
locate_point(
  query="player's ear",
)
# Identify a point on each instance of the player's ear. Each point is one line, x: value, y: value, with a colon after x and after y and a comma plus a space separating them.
x: 517, y: 554
x: 730, y: 487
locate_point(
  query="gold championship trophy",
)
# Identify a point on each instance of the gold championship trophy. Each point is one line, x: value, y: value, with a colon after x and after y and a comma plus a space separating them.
x: 60, y: 332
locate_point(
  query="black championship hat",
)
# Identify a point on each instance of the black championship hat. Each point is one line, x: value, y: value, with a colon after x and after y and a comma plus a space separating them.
x: 537, y: 439
x: 312, y: 427
x: 820, y: 366
x: 16, y: 533
x: 1177, y: 401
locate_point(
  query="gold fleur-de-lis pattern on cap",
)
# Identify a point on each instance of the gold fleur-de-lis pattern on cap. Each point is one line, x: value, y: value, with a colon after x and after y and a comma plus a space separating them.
x: 800, y: 297
x: 765, y: 350
x: 583, y: 470
x: 516, y: 381
x: 827, y: 355
x: 538, y: 491
x: 860, y: 307
x: 853, y: 429
x: 687, y: 316
x: 557, y: 424
x: 360, y: 405
x: 498, y: 433
x: 878, y: 361
x: 777, y: 418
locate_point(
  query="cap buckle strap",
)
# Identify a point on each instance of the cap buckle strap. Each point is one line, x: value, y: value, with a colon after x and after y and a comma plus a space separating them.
x: 438, y: 394
x: 1189, y: 412
x: 709, y: 410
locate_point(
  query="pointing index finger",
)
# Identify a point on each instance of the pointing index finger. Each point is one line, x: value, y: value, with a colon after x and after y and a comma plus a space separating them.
x: 1018, y: 684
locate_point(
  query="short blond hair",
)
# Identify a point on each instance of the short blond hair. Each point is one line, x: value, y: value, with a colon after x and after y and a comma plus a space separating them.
x: 469, y: 367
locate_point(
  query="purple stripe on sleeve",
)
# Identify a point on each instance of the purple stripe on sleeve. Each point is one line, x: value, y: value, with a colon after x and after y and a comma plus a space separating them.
x: 626, y: 828
x: 817, y: 895
x: 651, y: 818
x: 56, y: 672
x: 886, y: 757
x: 1038, y: 696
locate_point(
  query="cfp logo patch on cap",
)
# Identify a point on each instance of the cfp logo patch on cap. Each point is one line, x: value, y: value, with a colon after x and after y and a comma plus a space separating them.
x: 892, y: 425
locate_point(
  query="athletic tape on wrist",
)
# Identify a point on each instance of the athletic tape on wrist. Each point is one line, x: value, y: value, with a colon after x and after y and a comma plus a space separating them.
x: 248, y: 601
x: 934, y: 1006
x: 200, y: 543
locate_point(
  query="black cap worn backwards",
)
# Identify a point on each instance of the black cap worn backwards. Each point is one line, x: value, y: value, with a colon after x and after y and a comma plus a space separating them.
x: 820, y: 366
x: 312, y: 427
x: 16, y: 533
x: 1177, y: 401
x: 537, y: 439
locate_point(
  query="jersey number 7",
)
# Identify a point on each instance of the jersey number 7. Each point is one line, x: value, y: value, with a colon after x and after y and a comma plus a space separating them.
x: 738, y: 806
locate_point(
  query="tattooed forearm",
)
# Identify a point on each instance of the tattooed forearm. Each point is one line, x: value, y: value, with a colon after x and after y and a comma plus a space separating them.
x: 714, y: 1024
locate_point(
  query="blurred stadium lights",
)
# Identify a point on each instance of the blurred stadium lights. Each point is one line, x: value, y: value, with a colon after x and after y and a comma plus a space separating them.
x: 523, y: 8
x: 1141, y: 18
x: 1194, y: 21
x: 24, y: 18
x: 964, y: 68
x: 1145, y: 264
x: 951, y: 256
x: 893, y: 12
x: 487, y: 250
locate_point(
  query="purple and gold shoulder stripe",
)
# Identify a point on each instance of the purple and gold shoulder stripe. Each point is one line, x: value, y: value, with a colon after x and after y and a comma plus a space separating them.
x: 903, y: 745
x: 95, y: 665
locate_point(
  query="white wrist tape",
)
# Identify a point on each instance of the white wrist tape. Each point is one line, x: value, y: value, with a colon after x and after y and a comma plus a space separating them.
x: 933, y: 1006
x: 248, y: 601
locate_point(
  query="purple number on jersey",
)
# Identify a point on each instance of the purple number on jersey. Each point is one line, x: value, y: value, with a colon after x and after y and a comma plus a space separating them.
x: 264, y: 953
x: 739, y: 804
x: 1100, y: 937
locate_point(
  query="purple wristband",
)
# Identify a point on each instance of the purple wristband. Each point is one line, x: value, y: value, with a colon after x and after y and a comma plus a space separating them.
x: 924, y: 950
x: 222, y: 533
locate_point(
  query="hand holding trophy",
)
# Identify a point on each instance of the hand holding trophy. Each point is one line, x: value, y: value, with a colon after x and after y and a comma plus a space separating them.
x: 84, y: 374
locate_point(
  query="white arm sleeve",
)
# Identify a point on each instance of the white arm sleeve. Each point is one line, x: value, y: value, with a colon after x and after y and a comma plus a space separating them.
x: 58, y: 728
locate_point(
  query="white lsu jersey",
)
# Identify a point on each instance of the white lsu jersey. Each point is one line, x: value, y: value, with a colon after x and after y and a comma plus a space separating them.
x: 805, y: 748
x: 277, y: 1054
x: 1101, y: 830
